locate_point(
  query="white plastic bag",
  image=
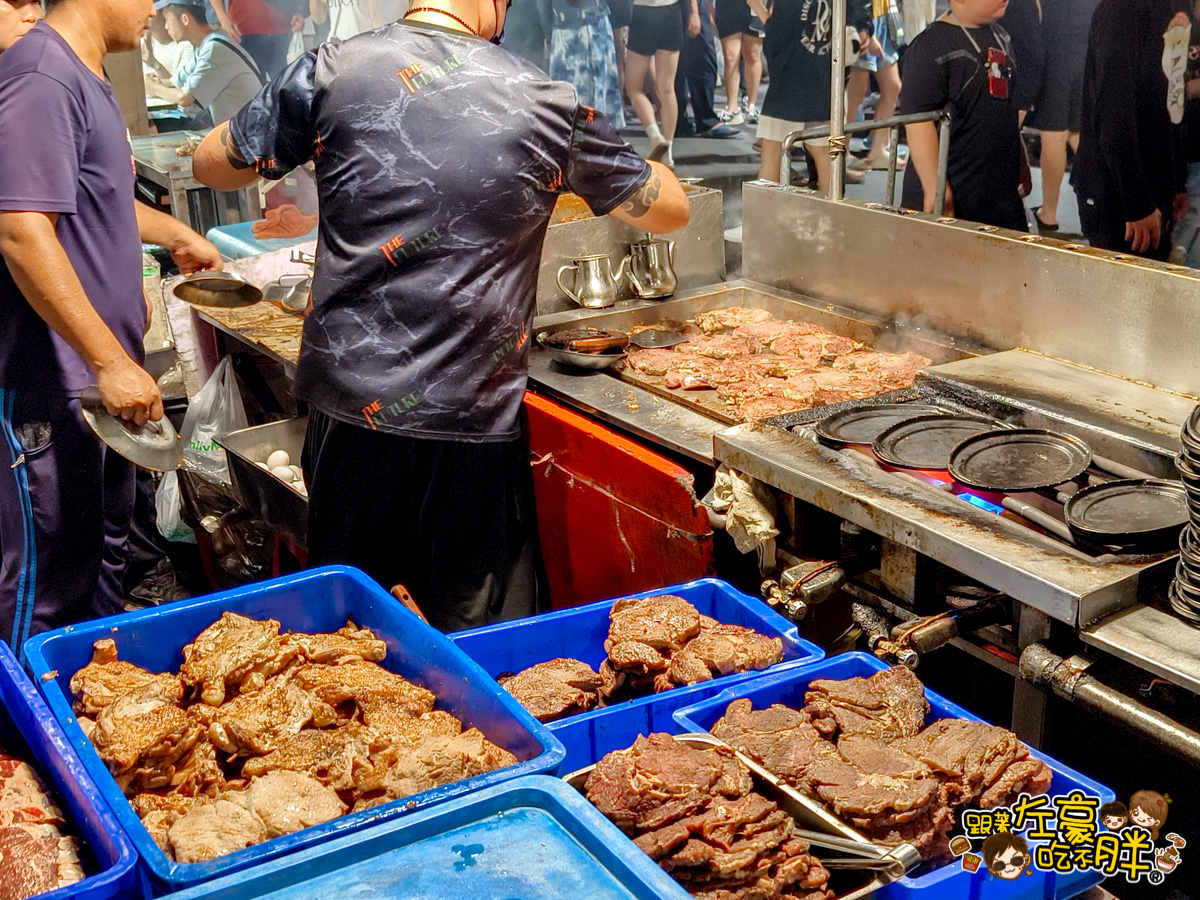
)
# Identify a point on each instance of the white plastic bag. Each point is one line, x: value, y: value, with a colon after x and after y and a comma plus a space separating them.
x: 215, y: 411
x: 168, y: 504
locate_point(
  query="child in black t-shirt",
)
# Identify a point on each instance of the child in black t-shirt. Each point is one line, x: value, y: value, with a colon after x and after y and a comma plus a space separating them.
x: 965, y: 59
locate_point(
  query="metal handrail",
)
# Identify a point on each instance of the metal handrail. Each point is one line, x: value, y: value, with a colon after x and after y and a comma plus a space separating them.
x: 892, y: 123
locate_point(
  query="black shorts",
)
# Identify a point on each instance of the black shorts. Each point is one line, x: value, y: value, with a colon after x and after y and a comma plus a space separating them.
x: 734, y: 17
x: 1059, y: 105
x: 620, y: 12
x: 452, y: 521
x: 655, y: 28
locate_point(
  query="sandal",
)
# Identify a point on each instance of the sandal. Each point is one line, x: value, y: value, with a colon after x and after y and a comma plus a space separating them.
x: 1043, y: 227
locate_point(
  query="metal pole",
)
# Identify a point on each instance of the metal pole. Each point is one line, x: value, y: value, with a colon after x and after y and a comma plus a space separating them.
x: 837, y: 102
x: 1066, y: 678
x: 939, y: 201
x: 894, y: 140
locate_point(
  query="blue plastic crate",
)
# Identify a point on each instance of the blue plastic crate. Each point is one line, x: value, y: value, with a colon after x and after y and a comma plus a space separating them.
x: 951, y: 881
x: 318, y: 600
x: 579, y: 633
x: 536, y: 839
x: 28, y: 730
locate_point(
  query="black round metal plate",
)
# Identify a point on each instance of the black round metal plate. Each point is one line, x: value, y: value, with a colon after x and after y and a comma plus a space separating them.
x: 1128, y: 509
x: 859, y: 427
x: 926, y: 441
x: 1018, y: 459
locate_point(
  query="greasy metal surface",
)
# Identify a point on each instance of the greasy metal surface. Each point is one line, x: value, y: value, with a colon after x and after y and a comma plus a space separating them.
x: 668, y: 422
x: 1150, y: 639
x: 1131, y: 317
x: 1005, y: 555
x: 699, y: 254
x: 1128, y: 411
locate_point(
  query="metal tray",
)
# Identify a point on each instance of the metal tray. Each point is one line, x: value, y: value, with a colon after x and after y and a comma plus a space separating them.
x: 811, y: 817
x: 875, y: 333
x: 280, y: 505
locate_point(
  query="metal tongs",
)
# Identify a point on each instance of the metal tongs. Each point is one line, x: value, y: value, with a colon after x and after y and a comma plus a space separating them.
x: 889, y: 863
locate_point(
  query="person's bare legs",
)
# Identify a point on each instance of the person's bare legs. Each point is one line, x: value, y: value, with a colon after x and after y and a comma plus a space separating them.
x: 772, y: 159
x: 771, y: 155
x: 820, y: 155
x: 731, y: 48
x: 889, y: 92
x: 666, y: 64
x: 620, y: 35
x: 636, y: 67
x: 856, y: 91
x: 752, y: 54
x: 1054, y: 167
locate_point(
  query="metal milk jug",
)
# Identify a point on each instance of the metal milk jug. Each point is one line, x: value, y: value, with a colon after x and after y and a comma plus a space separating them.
x: 651, y: 270
x: 595, y: 285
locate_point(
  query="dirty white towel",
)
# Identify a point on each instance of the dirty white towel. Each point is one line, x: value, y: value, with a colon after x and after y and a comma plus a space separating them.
x: 750, y: 513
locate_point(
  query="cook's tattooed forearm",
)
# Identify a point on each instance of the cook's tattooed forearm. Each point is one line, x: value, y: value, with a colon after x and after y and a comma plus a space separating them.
x: 639, y: 204
x: 233, y: 153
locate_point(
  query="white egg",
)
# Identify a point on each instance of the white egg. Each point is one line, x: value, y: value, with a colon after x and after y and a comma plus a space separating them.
x: 279, y: 458
x: 263, y: 466
x: 283, y: 473
x: 299, y: 473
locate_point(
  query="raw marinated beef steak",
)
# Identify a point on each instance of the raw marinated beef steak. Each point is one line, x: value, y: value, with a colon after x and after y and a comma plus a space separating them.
x: 35, y: 855
x: 888, y: 705
x: 695, y: 812
x: 554, y: 689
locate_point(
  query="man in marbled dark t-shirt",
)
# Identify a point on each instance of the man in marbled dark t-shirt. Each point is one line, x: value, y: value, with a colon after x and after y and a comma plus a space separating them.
x: 439, y: 157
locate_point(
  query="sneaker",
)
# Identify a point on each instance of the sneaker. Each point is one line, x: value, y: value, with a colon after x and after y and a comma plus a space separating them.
x: 667, y: 159
x: 732, y: 117
x: 752, y: 114
x: 734, y: 235
x: 657, y: 150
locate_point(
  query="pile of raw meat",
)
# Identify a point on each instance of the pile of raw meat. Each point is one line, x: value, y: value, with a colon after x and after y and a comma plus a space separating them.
x: 262, y: 734
x: 654, y: 644
x: 35, y: 855
x: 762, y: 367
x: 696, y: 814
x: 862, y: 747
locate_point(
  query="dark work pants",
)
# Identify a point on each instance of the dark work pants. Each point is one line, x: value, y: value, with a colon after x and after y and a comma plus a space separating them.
x: 1103, y: 225
x: 450, y: 520
x: 269, y: 51
x: 696, y: 79
x: 65, y: 505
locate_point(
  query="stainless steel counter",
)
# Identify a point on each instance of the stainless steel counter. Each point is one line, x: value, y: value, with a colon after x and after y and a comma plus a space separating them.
x: 1060, y: 581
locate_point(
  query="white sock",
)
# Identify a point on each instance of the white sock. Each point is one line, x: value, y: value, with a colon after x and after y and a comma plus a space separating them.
x: 654, y: 133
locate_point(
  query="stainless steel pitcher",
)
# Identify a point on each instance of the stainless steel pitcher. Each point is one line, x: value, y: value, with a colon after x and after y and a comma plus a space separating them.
x: 651, y: 270
x: 595, y: 285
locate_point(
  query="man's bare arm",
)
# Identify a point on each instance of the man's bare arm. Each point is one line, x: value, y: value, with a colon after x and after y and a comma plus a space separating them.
x: 658, y: 206
x: 42, y: 271
x: 219, y: 162
x: 191, y: 251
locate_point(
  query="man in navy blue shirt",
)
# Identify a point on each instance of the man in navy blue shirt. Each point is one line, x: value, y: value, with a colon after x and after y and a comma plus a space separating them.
x: 73, y: 313
x: 439, y: 157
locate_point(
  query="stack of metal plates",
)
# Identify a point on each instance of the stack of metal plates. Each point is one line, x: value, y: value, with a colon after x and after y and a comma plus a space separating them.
x: 1185, y: 590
